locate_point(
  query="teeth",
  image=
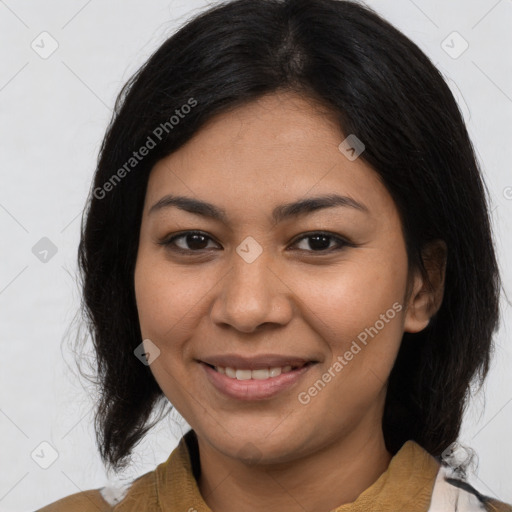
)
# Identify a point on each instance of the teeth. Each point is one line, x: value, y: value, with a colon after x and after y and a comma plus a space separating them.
x: 274, y: 372
x: 261, y: 374
x: 230, y: 372
x: 243, y: 374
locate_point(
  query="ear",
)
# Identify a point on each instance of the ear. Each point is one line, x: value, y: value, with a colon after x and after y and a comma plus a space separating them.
x: 426, y: 296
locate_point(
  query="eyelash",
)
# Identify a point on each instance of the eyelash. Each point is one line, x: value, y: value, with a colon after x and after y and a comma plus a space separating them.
x: 342, y: 243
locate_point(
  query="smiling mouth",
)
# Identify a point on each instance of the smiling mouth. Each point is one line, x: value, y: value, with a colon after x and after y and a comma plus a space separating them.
x: 259, y: 374
x: 255, y: 384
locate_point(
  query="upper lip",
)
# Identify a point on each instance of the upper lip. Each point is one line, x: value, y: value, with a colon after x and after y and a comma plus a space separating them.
x: 254, y: 362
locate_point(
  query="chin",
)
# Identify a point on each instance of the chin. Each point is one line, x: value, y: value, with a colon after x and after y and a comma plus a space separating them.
x: 253, y: 449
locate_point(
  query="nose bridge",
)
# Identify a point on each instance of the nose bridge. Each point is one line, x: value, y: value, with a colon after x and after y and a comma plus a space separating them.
x: 251, y: 293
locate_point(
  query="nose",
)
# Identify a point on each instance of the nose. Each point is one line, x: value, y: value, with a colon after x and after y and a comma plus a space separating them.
x: 251, y: 295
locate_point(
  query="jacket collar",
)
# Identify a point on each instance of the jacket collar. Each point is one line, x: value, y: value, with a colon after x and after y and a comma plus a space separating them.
x: 407, y: 484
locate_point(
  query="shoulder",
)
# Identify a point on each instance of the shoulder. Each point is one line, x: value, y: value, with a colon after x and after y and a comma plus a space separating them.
x: 140, y: 493
x: 451, y: 493
x: 497, y: 506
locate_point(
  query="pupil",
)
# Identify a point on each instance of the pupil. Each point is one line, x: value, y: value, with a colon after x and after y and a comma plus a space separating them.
x: 193, y: 243
x: 314, y: 242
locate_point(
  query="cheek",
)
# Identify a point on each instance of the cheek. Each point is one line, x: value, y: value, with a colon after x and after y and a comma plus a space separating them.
x: 165, y: 299
x: 358, y: 312
x: 165, y: 305
x: 355, y: 295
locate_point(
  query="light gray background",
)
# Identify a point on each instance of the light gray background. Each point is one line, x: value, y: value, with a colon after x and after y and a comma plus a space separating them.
x: 53, y: 114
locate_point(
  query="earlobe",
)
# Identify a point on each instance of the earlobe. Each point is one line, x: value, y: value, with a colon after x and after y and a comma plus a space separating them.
x: 426, y: 296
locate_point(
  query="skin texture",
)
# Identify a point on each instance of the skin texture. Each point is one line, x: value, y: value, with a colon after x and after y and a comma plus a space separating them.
x: 278, y: 454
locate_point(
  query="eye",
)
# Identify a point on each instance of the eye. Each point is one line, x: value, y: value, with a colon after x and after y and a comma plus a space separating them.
x: 197, y: 241
x: 320, y: 242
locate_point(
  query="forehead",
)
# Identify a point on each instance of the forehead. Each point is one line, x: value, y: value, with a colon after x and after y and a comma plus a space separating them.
x: 277, y: 149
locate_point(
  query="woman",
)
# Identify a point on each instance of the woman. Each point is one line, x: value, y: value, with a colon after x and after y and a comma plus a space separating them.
x: 288, y: 239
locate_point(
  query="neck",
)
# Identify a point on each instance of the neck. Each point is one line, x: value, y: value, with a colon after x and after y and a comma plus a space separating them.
x: 332, y: 476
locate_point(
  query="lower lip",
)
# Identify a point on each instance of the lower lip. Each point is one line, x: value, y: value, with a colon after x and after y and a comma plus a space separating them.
x: 254, y: 389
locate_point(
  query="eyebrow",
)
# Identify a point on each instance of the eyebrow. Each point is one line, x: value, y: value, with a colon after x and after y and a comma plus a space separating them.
x: 279, y: 214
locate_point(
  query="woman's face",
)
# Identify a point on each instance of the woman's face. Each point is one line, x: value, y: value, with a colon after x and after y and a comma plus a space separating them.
x: 273, y: 292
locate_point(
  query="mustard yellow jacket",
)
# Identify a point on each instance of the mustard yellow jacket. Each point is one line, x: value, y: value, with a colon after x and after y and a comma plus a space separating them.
x: 414, y: 482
